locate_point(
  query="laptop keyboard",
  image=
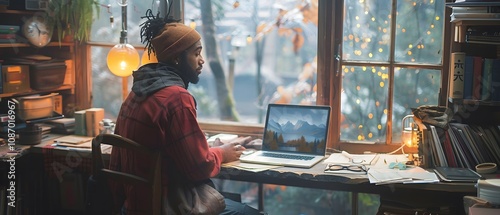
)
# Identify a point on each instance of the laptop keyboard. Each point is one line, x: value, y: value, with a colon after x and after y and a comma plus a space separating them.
x: 287, y: 156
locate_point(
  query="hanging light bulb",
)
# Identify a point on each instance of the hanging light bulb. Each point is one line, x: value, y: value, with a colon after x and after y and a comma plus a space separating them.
x: 151, y: 59
x: 122, y: 2
x: 249, y: 39
x: 192, y: 24
x: 123, y: 59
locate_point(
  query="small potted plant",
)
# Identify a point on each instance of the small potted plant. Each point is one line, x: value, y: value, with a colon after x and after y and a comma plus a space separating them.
x: 73, y: 18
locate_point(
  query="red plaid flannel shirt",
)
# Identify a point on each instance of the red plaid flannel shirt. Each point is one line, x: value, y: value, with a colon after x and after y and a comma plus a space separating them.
x: 165, y: 121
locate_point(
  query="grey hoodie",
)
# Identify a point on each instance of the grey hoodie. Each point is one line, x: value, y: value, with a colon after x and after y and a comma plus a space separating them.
x: 155, y: 76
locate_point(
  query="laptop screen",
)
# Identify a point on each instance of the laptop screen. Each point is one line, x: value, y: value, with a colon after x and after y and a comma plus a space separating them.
x: 296, y: 128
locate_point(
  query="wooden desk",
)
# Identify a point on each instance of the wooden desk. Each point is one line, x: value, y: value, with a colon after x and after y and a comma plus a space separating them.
x: 433, y: 196
x: 446, y: 197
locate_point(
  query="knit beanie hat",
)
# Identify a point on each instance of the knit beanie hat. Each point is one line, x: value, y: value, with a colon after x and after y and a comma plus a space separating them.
x: 173, y: 39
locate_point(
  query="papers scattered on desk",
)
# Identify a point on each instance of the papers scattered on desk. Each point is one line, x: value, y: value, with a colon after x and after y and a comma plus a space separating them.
x: 390, y: 176
x: 73, y: 139
x: 250, y: 166
x: 340, y: 158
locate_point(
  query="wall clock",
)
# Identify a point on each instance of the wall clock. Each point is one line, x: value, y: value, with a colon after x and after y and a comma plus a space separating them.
x: 37, y: 30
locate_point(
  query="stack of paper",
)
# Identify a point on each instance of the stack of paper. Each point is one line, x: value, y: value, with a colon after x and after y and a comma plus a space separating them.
x: 342, y: 158
x: 74, y: 141
x: 410, y: 175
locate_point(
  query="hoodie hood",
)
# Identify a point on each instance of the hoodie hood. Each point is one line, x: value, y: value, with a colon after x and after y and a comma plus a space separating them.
x: 155, y: 76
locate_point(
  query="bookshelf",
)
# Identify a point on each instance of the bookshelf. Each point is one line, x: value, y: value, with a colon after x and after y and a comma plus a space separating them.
x: 472, y: 135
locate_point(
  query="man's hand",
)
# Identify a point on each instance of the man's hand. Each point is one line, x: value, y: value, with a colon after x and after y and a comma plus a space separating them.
x: 231, y: 151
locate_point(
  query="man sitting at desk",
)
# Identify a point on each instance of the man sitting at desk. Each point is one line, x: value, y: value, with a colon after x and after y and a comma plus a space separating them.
x: 161, y: 114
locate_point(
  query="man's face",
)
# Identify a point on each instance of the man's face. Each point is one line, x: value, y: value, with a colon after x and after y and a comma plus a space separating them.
x: 191, y: 62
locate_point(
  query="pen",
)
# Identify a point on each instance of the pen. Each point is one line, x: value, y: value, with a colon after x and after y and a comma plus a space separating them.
x: 347, y: 155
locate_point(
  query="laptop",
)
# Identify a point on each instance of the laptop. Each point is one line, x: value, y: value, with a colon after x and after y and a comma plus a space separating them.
x: 294, y: 135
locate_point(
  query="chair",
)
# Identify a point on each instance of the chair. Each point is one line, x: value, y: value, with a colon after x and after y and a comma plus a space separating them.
x: 99, y: 196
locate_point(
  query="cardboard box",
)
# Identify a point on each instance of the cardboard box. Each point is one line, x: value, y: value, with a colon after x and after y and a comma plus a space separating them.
x: 58, y: 104
x: 15, y: 78
x: 93, y: 116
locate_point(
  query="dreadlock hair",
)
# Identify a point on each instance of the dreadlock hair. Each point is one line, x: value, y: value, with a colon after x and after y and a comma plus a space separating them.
x: 153, y: 26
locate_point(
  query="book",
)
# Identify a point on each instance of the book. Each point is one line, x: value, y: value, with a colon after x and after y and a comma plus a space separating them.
x: 80, y: 123
x: 456, y: 79
x: 476, y: 84
x: 69, y: 78
x: 486, y: 76
x: 457, y: 174
x: 468, y: 76
x: 495, y: 80
x: 438, y: 148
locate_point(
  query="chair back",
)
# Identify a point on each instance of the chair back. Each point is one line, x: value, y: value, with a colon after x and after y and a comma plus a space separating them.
x: 153, y: 179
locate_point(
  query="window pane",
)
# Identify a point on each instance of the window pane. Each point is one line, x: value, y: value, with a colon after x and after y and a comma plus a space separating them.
x: 413, y: 88
x: 364, y: 103
x: 106, y: 87
x: 105, y: 31
x: 367, y: 30
x: 365, y: 88
x: 419, y: 31
x: 265, y: 50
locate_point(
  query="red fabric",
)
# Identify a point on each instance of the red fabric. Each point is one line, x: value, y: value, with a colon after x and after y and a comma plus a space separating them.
x: 72, y: 161
x: 165, y: 121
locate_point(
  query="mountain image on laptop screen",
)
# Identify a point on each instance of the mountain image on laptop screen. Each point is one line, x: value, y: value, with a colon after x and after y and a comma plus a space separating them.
x: 296, y: 129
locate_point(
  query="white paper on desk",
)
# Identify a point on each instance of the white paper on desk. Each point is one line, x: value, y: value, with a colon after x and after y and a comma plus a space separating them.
x: 483, y: 211
x: 250, y: 166
x: 411, y: 175
x: 339, y: 158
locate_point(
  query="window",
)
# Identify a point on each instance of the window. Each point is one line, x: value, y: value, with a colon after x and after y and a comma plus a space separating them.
x: 105, y: 34
x: 391, y: 62
x: 287, y: 51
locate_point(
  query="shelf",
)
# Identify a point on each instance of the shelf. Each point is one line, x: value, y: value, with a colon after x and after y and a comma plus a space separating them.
x: 21, y: 12
x: 473, y: 4
x: 484, y: 42
x: 63, y: 87
x: 473, y: 102
x: 10, y: 45
x: 462, y: 25
x: 467, y: 22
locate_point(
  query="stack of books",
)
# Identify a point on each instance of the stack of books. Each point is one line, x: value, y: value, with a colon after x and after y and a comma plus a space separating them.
x: 8, y: 33
x: 62, y: 126
x: 483, y: 34
x: 475, y: 13
x: 489, y: 190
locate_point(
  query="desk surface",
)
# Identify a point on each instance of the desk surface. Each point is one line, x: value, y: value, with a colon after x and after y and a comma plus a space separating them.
x: 291, y: 176
x: 299, y: 177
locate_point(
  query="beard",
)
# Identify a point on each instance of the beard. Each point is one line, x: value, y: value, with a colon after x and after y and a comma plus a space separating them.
x: 188, y: 74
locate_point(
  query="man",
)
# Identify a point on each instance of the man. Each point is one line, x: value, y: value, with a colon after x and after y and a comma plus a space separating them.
x: 161, y: 114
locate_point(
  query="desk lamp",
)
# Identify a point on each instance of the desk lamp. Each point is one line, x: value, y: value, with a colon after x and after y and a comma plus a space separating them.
x: 409, y: 135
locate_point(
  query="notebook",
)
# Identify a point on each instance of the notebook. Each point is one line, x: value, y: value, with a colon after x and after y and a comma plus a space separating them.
x: 294, y: 135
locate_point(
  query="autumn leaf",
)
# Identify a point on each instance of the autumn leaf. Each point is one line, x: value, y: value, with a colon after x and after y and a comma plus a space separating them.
x: 298, y: 41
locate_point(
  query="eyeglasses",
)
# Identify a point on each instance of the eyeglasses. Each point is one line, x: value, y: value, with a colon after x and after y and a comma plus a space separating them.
x: 338, y: 167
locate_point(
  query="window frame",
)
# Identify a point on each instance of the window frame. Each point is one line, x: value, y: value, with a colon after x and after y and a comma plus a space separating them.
x: 329, y: 83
